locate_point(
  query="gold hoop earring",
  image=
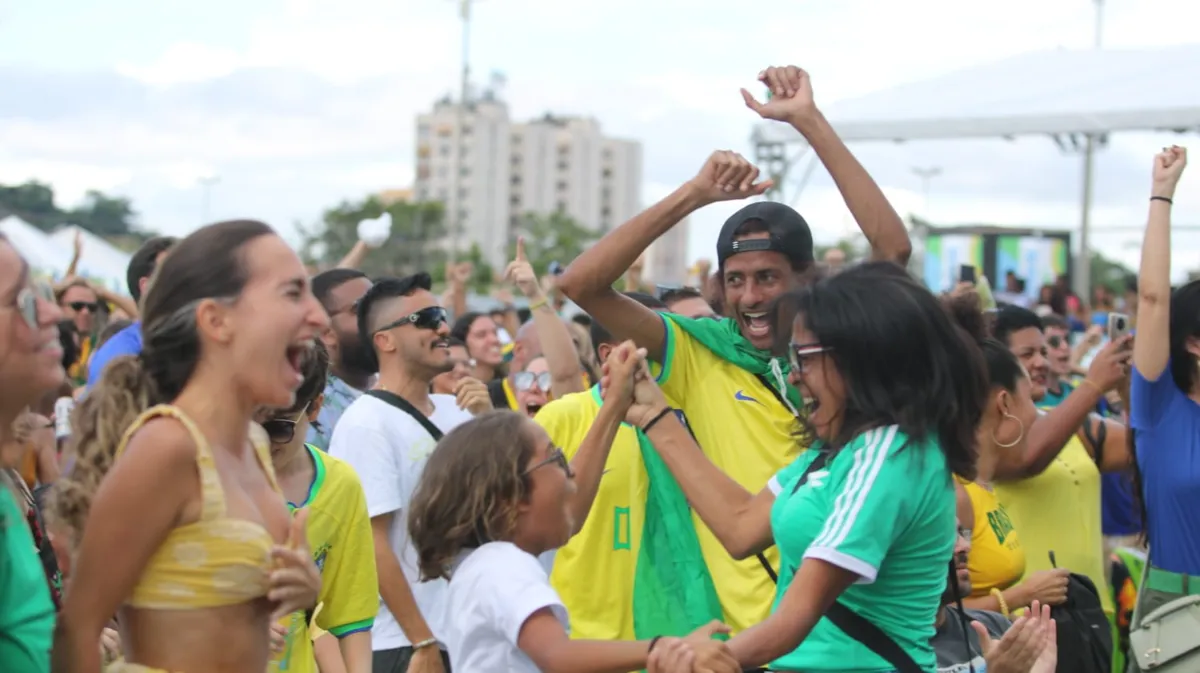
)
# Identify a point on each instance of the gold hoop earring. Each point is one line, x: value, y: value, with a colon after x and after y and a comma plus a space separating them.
x: 1014, y: 442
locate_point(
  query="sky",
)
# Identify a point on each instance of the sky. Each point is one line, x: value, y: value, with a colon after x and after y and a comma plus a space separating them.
x: 299, y: 104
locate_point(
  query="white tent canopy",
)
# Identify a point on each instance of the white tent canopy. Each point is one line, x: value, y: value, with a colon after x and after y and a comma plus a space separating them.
x: 49, y: 255
x: 1046, y: 92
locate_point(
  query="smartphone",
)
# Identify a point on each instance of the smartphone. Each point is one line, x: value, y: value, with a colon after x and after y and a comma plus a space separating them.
x: 1118, y: 326
x: 555, y: 269
x: 966, y: 273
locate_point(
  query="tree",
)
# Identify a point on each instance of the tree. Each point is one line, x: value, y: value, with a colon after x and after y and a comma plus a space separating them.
x: 409, y: 248
x: 1110, y: 273
x: 105, y: 215
x: 33, y: 202
x: 550, y: 238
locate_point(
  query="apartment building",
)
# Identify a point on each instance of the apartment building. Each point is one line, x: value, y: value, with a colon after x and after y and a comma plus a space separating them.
x: 666, y: 259
x: 490, y: 171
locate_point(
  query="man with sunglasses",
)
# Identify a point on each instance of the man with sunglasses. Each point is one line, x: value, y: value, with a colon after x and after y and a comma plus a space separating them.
x: 137, y: 277
x: 387, y: 435
x: 351, y: 363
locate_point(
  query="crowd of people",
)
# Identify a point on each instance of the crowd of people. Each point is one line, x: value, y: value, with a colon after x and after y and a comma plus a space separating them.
x: 797, y: 467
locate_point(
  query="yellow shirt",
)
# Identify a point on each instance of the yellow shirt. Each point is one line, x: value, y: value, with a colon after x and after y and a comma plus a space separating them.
x: 748, y: 433
x: 339, y: 535
x: 997, y: 559
x: 594, y: 572
x: 1059, y: 510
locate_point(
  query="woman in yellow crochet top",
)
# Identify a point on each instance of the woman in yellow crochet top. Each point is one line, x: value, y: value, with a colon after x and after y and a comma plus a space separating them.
x: 184, y: 533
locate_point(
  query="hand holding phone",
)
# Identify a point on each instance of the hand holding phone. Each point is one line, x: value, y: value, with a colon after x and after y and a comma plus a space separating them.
x: 1118, y: 326
x: 966, y: 273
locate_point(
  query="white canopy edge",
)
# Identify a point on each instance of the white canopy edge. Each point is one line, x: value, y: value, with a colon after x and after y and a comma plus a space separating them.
x: 1039, y: 93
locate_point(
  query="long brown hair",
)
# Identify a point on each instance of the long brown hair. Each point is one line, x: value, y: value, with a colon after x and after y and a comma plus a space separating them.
x: 207, y: 264
x: 470, y: 488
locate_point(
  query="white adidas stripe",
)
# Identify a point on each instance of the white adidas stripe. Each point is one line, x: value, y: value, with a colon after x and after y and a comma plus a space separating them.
x: 873, y: 456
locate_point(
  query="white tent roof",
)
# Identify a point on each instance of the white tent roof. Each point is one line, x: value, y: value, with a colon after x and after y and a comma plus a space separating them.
x: 45, y: 256
x: 100, y: 261
x: 1046, y: 92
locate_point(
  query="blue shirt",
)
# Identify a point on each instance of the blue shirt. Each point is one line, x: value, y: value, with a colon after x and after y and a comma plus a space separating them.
x: 1167, y: 422
x: 338, y: 396
x: 126, y: 342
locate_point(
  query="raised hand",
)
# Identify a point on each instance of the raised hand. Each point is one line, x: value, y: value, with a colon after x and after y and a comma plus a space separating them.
x: 728, y: 176
x: 791, y: 98
x: 521, y: 274
x: 459, y: 273
x: 647, y: 400
x: 1168, y: 166
x: 621, y: 370
x: 1111, y: 365
x: 295, y: 582
x: 472, y: 396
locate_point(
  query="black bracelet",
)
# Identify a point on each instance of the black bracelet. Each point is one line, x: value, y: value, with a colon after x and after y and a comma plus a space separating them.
x: 653, y: 642
x: 662, y: 414
x: 1167, y: 199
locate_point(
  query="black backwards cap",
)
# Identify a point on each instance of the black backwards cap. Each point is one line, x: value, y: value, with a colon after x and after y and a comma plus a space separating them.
x: 788, y: 233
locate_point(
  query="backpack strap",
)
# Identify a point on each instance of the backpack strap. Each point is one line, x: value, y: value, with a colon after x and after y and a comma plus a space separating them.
x: 861, y: 629
x: 820, y: 461
x: 405, y: 406
x: 1096, y: 432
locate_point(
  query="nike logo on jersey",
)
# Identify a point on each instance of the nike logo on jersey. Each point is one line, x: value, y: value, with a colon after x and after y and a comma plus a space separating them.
x: 743, y: 397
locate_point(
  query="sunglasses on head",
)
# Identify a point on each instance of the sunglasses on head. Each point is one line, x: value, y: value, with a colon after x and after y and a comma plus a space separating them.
x: 90, y: 306
x: 554, y: 456
x: 524, y: 381
x: 799, y: 353
x: 430, y: 318
x: 27, y: 303
x: 283, y: 430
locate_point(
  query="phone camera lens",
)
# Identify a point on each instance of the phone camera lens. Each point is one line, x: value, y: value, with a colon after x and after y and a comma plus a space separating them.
x: 1121, y: 324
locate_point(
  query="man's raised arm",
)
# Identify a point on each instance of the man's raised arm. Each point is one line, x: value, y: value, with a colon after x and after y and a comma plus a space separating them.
x: 588, y: 281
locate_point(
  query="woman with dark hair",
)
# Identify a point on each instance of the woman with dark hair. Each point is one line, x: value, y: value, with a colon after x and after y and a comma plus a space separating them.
x: 183, y: 532
x: 865, y: 520
x: 996, y: 560
x: 1165, y: 410
x: 1050, y: 484
x: 482, y: 338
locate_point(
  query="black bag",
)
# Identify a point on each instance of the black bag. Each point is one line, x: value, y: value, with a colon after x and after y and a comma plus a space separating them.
x: 1084, y: 635
x: 404, y: 405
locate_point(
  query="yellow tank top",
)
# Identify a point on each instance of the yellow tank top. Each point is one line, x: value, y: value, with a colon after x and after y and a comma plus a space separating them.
x: 212, y: 562
x: 1059, y: 510
x: 997, y: 559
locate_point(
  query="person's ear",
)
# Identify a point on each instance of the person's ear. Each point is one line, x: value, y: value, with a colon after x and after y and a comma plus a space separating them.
x: 213, y: 319
x: 603, y: 351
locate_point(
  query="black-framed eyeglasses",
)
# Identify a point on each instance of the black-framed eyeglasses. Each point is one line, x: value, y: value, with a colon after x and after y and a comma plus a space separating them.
x: 27, y: 303
x: 77, y: 306
x: 555, y: 456
x: 430, y: 318
x: 798, y: 354
x: 283, y: 430
x: 524, y: 381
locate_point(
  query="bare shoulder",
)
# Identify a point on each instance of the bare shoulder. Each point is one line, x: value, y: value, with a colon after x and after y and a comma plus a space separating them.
x: 163, y: 445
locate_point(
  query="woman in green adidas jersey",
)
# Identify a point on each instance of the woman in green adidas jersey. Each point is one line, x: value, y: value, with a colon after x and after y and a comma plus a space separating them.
x: 865, y: 522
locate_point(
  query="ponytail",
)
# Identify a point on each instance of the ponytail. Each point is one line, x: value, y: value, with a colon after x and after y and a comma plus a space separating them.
x: 98, y: 424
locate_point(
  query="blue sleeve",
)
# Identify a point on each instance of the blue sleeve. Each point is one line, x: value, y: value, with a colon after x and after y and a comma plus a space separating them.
x: 1149, y: 400
x: 115, y: 347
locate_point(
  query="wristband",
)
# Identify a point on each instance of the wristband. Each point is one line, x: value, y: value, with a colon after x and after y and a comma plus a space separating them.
x: 662, y: 414
x: 537, y: 303
x: 1094, y: 385
x: 653, y: 642
x: 428, y: 642
x: 1164, y: 199
x: 1000, y: 599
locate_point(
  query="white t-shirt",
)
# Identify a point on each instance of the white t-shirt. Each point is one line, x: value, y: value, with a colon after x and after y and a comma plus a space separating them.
x: 493, y: 590
x: 388, y: 449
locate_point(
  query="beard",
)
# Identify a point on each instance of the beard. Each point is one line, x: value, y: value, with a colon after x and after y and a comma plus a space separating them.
x: 355, y: 356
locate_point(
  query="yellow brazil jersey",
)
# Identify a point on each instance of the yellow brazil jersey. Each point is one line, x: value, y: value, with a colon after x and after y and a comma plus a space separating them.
x: 747, y: 432
x: 339, y: 535
x: 594, y: 572
x: 1059, y: 511
x: 997, y: 559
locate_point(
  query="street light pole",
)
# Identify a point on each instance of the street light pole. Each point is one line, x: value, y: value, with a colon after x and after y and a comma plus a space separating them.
x: 926, y: 174
x: 1083, y: 266
x: 464, y: 13
x: 207, y: 183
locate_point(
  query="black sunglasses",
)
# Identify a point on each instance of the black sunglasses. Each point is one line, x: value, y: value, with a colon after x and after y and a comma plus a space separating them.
x: 523, y: 381
x: 1054, y: 341
x: 555, y: 456
x: 431, y: 318
x: 91, y: 306
x: 282, y: 430
x: 27, y: 303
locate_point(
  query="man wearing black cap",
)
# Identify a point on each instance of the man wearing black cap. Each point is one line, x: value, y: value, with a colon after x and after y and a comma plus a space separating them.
x: 722, y: 374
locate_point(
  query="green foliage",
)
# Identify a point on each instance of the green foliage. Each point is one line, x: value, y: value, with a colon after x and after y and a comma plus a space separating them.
x: 1110, y: 273
x: 550, y: 238
x: 103, y: 215
x: 410, y: 248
